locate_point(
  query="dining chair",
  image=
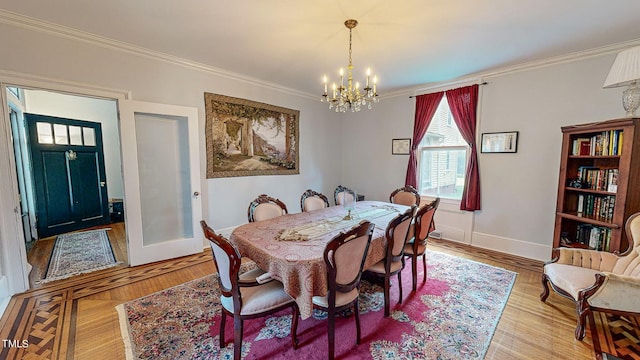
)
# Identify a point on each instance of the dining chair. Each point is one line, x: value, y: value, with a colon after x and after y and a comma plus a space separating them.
x: 396, y: 234
x: 312, y: 200
x: 342, y: 193
x: 344, y: 256
x: 245, y: 299
x: 406, y: 195
x: 265, y: 207
x: 417, y: 245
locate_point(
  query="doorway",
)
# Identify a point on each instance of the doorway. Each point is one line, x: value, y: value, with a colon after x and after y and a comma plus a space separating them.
x: 70, y: 180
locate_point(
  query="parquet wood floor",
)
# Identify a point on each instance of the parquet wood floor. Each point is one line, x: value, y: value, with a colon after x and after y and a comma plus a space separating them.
x: 76, y: 318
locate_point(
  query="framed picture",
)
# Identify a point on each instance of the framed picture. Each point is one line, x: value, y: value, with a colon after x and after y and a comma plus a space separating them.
x: 500, y: 142
x: 246, y: 138
x: 400, y: 146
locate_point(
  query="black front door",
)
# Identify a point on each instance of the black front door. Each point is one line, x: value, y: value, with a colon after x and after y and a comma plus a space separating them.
x: 69, y: 175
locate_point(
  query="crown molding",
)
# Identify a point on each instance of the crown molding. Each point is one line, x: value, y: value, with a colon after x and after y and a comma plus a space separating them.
x: 532, y: 65
x: 30, y: 23
x: 69, y: 33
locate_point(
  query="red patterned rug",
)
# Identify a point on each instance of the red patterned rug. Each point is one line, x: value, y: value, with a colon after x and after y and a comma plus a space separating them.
x: 452, y: 316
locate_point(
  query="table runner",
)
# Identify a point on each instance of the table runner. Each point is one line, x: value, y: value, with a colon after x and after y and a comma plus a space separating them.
x: 317, y: 229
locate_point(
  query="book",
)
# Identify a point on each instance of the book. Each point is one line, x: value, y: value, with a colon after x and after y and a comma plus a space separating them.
x: 584, y: 147
x: 580, y: 209
x: 612, y: 181
x: 594, y: 235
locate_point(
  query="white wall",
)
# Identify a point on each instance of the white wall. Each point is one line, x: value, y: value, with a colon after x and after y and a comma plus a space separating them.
x: 367, y: 163
x: 101, y: 111
x: 153, y: 80
x: 518, y: 190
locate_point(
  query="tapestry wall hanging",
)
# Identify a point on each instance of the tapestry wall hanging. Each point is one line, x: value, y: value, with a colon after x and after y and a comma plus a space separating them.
x: 246, y: 138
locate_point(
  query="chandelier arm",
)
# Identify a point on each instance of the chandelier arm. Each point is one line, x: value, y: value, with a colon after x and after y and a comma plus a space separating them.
x: 350, y: 96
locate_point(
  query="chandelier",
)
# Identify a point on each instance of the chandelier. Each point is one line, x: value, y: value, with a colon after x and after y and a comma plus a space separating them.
x: 351, y: 97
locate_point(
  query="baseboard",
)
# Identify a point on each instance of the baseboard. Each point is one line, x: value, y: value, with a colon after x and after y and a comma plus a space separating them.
x: 511, y: 246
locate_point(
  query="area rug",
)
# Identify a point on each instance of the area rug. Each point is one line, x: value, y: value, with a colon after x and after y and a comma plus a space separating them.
x: 452, y: 316
x: 615, y: 335
x: 79, y: 253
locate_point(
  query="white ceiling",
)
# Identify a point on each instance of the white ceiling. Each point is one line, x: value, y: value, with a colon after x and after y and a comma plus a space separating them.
x: 293, y: 43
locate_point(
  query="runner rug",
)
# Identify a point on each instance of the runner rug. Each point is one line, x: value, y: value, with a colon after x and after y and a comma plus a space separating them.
x: 452, y: 316
x: 79, y: 253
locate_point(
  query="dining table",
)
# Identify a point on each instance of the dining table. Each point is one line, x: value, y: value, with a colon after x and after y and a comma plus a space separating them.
x: 291, y: 247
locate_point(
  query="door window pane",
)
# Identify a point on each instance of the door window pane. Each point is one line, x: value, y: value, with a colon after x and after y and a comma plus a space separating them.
x: 75, y: 135
x: 45, y: 135
x: 89, y: 136
x: 164, y: 170
x: 60, y: 132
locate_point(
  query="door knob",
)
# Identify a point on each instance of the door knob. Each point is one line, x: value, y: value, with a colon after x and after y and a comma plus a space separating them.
x: 102, y: 183
x: 196, y: 194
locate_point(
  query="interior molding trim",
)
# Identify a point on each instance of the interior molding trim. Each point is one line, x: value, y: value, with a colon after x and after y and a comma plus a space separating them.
x: 74, y: 88
x: 532, y: 65
x: 22, y: 21
x: 511, y: 246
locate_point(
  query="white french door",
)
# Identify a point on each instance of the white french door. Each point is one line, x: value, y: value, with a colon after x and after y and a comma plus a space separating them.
x: 161, y: 170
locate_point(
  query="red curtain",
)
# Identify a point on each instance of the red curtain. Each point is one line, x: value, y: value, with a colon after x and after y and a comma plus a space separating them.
x: 426, y: 106
x: 463, y: 103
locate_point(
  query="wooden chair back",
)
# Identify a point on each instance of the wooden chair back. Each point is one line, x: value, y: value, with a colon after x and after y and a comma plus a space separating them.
x: 344, y: 257
x: 397, y: 234
x: 342, y: 192
x: 313, y: 200
x: 406, y: 195
x: 424, y: 222
x: 265, y: 207
x: 227, y: 259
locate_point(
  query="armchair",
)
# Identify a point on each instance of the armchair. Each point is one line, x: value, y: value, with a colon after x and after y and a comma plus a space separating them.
x: 597, y: 280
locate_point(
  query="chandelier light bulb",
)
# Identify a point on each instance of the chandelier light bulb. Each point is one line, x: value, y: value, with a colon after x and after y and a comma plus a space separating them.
x: 350, y: 96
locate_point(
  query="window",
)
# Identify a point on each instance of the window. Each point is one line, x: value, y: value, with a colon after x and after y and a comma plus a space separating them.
x: 442, y: 157
x: 76, y: 135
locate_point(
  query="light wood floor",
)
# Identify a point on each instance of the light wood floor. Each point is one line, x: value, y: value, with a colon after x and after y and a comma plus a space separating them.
x: 76, y: 318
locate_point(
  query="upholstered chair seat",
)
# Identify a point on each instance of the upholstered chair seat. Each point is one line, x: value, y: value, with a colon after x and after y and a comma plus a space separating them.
x: 409, y: 248
x: 342, y: 299
x: 597, y: 280
x: 379, y: 267
x: 259, y: 299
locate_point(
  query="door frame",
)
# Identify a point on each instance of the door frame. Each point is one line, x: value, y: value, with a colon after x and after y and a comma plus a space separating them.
x: 14, y: 271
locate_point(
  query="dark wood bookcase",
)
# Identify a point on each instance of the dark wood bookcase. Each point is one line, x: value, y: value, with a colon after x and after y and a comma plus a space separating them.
x: 599, y: 184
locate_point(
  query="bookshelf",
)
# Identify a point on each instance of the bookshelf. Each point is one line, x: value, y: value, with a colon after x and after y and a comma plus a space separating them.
x: 599, y: 184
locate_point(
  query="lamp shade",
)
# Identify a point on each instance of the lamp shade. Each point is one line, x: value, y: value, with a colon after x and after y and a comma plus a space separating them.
x: 625, y: 69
